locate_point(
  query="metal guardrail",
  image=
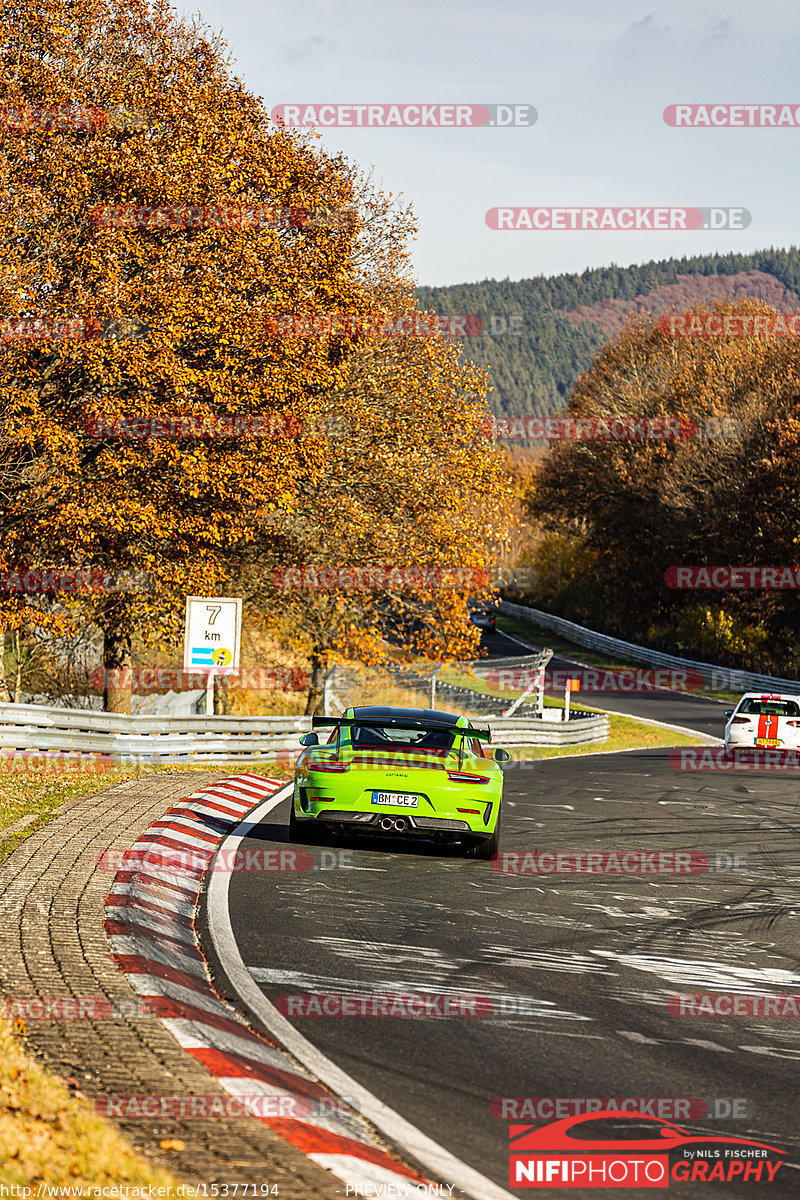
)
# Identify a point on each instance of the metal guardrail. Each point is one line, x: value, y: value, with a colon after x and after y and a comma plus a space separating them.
x: 31, y: 729
x: 533, y: 731
x: 716, y: 678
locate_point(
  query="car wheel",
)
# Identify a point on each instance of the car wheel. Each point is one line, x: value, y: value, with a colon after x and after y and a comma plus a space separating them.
x: 309, y: 833
x: 316, y: 833
x: 294, y: 825
x: 486, y: 848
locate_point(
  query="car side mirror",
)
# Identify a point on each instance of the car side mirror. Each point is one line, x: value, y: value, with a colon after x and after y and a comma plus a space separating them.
x: 501, y: 755
x: 309, y: 739
x: 729, y: 712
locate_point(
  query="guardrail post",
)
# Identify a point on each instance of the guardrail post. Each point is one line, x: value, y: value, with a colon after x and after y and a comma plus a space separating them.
x: 538, y: 684
x: 572, y: 685
x: 328, y: 697
x: 433, y: 685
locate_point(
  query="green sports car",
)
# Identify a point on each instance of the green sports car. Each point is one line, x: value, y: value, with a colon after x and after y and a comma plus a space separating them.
x: 399, y: 772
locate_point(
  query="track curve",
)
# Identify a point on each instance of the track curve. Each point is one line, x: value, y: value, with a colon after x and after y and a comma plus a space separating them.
x: 579, y: 967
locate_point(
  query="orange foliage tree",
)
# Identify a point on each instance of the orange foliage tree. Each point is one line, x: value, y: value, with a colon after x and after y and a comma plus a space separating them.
x: 121, y: 104
x: 726, y: 493
x: 400, y: 528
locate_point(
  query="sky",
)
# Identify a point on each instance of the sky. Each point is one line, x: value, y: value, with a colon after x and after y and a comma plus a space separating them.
x: 599, y: 75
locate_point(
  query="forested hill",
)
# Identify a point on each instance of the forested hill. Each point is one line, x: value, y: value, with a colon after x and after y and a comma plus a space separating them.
x: 565, y: 319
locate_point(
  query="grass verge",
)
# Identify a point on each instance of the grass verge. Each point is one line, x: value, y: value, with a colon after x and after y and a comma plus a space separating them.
x: 625, y: 734
x: 49, y: 1136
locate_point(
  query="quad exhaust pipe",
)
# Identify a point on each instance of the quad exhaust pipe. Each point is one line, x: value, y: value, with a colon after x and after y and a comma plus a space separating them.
x: 396, y: 823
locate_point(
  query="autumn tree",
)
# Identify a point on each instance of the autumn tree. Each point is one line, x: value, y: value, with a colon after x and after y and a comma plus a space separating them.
x: 399, y: 529
x: 624, y: 511
x: 141, y: 183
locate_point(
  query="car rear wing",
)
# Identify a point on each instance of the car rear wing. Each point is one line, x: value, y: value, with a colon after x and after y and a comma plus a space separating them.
x: 481, y: 735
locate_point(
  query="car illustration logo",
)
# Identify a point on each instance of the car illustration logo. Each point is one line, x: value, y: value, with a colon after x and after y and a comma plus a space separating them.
x: 565, y: 1154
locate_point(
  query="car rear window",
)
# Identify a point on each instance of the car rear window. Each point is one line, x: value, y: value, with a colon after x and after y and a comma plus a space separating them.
x: 769, y: 708
x: 437, y: 741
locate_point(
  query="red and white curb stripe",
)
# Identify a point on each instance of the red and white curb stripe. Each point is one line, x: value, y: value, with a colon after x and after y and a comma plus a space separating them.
x: 151, y: 914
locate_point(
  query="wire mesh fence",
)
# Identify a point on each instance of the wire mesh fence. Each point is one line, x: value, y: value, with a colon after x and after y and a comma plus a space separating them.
x: 496, y: 687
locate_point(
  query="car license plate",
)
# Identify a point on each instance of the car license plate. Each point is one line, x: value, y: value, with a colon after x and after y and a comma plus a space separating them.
x: 403, y: 799
x: 768, y: 741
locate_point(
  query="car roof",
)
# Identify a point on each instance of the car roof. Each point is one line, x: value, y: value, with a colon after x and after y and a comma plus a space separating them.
x: 770, y: 696
x: 433, y: 715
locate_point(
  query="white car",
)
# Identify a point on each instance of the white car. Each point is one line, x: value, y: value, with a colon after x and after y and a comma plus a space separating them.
x: 762, y: 720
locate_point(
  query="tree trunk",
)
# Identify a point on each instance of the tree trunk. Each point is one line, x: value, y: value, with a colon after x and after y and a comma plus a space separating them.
x: 116, y: 660
x: 4, y: 696
x: 316, y: 689
x: 18, y: 671
x: 222, y: 696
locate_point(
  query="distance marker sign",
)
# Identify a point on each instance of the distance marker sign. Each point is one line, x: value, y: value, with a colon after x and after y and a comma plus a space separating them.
x: 213, y: 634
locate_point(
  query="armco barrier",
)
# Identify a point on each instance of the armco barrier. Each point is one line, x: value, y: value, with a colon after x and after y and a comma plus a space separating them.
x: 717, y: 678
x: 34, y: 729
x: 533, y: 731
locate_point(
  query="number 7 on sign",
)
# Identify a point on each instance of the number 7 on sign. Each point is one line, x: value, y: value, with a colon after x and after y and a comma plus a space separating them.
x: 215, y: 610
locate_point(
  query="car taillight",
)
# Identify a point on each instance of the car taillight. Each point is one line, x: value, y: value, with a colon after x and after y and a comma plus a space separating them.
x: 335, y: 767
x: 740, y: 721
x: 475, y: 812
x: 794, y: 724
x: 464, y: 777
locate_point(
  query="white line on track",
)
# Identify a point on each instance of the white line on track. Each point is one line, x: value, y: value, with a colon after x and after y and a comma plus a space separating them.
x: 402, y: 1133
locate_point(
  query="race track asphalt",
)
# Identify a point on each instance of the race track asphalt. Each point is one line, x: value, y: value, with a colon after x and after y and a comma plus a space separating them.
x: 579, y: 967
